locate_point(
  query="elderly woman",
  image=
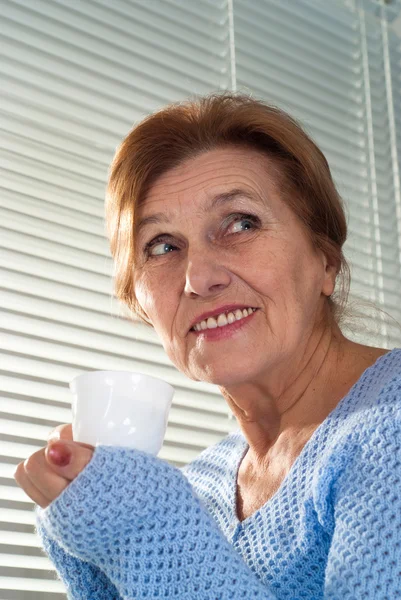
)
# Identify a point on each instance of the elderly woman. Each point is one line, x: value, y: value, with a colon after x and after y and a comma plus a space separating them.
x: 227, y: 232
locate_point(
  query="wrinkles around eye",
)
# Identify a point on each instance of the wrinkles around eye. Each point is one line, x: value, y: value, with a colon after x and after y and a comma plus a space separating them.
x: 167, y: 239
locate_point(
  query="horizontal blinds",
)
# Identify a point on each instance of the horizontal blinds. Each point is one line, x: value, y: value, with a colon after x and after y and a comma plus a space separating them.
x: 336, y: 67
x: 75, y: 77
x: 374, y: 245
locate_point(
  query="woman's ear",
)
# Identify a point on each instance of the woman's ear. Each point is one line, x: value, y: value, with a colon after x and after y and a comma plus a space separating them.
x: 330, y: 274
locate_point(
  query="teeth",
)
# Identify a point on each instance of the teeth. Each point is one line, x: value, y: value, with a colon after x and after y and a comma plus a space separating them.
x: 223, y: 319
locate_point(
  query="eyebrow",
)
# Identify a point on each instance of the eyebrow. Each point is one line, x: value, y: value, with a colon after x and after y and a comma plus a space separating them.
x: 216, y: 202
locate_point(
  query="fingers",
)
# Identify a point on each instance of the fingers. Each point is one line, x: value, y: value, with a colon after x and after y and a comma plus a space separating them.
x: 29, y: 489
x: 42, y: 479
x: 64, y: 432
x: 38, y: 480
x: 61, y: 432
x: 77, y: 456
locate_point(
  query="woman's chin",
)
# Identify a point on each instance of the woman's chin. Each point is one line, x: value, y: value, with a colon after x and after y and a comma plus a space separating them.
x: 227, y: 376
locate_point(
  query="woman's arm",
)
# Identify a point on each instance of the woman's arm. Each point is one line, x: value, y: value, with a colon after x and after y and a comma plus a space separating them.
x: 137, y: 518
x: 82, y: 580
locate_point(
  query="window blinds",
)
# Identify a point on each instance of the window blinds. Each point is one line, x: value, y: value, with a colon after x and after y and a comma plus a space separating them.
x: 336, y: 66
x: 75, y: 77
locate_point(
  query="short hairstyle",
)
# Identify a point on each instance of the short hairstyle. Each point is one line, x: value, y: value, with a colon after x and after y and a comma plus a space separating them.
x: 183, y: 130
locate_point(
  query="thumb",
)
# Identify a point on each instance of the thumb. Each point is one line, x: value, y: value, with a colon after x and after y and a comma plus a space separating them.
x: 68, y: 458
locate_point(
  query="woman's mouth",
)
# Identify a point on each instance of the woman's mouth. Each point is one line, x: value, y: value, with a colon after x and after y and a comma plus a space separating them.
x: 224, y: 325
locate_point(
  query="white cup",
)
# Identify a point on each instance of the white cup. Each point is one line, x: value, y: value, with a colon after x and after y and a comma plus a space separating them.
x: 120, y: 408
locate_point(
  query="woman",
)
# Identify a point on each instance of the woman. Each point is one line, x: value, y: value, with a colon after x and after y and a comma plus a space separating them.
x: 227, y: 232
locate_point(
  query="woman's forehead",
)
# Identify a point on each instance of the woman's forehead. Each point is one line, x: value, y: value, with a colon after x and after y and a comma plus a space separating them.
x: 211, y: 175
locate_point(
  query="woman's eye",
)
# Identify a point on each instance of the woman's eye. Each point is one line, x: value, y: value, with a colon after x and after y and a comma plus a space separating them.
x: 243, y: 223
x: 158, y: 247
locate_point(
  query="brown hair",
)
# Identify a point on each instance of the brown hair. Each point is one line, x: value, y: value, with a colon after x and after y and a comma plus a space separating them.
x: 182, y: 130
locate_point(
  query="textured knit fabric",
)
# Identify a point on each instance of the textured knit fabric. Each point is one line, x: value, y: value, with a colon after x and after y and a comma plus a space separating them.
x: 131, y: 526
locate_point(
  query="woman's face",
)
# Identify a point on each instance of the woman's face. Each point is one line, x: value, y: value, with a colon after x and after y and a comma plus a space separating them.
x: 220, y: 235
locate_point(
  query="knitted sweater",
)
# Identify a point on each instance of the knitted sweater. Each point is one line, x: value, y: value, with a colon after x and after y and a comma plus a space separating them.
x: 132, y: 526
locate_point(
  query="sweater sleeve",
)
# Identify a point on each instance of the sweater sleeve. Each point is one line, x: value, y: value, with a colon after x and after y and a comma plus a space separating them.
x: 364, y: 559
x: 81, y: 579
x: 137, y: 519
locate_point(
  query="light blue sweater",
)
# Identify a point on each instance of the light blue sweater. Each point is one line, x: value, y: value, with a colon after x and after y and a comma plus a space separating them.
x: 131, y: 526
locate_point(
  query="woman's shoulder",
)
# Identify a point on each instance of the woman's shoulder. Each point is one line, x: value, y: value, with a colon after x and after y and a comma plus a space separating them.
x: 371, y: 409
x: 373, y: 401
x: 361, y: 433
x: 380, y: 385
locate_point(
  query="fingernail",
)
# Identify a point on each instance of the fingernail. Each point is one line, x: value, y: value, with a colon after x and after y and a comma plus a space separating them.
x: 59, y: 455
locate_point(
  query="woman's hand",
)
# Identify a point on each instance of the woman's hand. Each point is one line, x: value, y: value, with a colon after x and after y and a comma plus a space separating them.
x: 47, y: 472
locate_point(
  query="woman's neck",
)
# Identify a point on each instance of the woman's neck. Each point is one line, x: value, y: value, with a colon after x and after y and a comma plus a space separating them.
x: 276, y: 413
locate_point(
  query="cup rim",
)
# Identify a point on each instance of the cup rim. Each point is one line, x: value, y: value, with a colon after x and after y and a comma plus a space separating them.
x: 92, y: 372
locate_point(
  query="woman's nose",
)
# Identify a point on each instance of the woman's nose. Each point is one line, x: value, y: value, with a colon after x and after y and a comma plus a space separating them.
x: 204, y: 276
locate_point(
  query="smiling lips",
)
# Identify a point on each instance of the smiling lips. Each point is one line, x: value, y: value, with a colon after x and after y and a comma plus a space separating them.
x: 223, y: 319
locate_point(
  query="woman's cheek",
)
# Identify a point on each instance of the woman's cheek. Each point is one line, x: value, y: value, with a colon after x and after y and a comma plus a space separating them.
x: 157, y: 294
x: 145, y: 294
